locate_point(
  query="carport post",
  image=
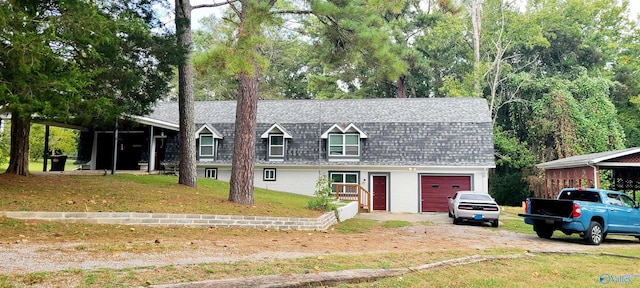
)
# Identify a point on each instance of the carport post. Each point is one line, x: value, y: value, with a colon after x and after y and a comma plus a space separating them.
x: 46, y: 148
x: 115, y: 149
x: 151, y: 145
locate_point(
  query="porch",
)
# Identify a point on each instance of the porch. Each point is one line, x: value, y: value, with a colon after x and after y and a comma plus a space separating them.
x: 354, y: 192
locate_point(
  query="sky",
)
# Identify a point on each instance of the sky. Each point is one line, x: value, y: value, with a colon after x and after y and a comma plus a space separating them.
x: 634, y: 7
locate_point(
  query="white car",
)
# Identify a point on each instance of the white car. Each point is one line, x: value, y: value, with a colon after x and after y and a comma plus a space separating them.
x: 473, y: 206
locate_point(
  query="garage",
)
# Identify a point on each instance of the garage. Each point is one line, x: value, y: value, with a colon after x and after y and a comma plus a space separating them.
x: 434, y: 191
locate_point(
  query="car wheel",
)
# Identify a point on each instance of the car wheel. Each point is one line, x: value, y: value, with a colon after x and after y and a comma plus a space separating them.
x: 594, y: 234
x: 456, y: 220
x: 494, y: 223
x: 543, y: 230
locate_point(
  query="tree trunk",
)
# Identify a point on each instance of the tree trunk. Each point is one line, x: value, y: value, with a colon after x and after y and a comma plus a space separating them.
x: 402, y: 89
x: 476, y: 22
x: 19, y: 155
x: 187, y: 175
x: 244, y: 152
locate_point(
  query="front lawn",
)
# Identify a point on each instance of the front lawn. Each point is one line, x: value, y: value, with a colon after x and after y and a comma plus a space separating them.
x: 139, y: 193
x: 36, y: 166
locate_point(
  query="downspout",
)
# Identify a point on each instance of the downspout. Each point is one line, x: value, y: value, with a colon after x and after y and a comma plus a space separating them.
x: 596, y: 178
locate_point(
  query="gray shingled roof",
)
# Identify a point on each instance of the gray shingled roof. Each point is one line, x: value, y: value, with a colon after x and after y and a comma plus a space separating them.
x: 381, y: 110
x: 415, y: 131
x: 587, y: 159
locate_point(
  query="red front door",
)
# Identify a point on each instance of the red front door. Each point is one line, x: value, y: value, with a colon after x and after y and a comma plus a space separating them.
x: 379, y: 192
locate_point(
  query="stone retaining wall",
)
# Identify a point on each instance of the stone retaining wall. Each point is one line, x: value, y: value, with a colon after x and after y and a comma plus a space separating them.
x: 197, y: 220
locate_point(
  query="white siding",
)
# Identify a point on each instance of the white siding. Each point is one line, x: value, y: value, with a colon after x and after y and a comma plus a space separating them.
x: 403, y: 193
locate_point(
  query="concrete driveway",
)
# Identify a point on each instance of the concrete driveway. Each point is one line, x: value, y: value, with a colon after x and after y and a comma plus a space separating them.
x: 433, y: 217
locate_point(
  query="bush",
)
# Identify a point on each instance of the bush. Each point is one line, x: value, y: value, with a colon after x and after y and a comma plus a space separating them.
x: 323, y: 199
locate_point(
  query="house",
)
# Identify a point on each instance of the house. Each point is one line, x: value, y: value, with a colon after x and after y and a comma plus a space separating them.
x: 409, y: 153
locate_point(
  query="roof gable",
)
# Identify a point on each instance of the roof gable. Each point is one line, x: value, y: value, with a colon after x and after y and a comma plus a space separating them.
x: 349, y: 129
x: 208, y: 129
x: 276, y: 129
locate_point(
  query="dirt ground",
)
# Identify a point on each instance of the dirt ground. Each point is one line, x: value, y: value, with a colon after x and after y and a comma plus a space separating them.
x: 437, y: 234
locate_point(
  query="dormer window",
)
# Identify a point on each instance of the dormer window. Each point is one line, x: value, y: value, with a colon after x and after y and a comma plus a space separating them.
x: 276, y: 137
x: 208, y: 138
x: 343, y: 143
x: 276, y: 145
x: 207, y: 148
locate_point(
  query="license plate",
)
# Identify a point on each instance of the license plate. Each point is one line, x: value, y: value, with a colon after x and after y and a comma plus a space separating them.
x: 548, y: 221
x: 477, y: 217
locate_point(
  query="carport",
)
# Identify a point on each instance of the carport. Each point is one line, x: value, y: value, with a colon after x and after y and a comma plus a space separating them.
x: 584, y: 171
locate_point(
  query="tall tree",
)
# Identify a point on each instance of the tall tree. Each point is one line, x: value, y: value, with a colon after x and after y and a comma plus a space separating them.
x: 348, y: 30
x: 284, y: 78
x: 183, y: 8
x: 187, y: 174
x: 77, y: 61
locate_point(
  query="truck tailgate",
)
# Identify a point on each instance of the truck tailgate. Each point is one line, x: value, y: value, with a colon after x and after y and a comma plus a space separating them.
x: 550, y: 207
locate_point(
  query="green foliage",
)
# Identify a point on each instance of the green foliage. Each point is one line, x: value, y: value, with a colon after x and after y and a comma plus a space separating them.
x: 5, y: 143
x: 575, y: 117
x: 628, y: 118
x: 286, y: 76
x: 564, y: 66
x: 323, y: 199
x: 508, y: 187
x: 510, y: 151
x: 105, y: 60
x: 61, y: 141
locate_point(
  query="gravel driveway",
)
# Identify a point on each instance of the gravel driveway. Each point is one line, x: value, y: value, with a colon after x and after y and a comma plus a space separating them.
x: 431, y: 232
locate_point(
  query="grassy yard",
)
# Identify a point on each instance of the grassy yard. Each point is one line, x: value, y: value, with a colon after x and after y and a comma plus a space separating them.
x: 156, y: 193
x: 139, y: 193
x: 543, y: 270
x: 37, y: 165
x: 540, y: 270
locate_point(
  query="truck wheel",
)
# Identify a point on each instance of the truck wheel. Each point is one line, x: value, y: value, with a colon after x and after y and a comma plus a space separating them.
x: 544, y: 231
x: 594, y: 234
x: 494, y: 223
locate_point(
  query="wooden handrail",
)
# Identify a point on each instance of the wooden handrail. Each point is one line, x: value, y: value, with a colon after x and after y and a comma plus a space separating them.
x: 353, y: 192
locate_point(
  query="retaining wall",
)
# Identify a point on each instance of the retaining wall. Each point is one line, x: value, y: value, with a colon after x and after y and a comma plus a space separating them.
x: 197, y: 220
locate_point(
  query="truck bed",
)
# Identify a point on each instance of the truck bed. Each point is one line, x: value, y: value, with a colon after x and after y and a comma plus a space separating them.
x: 551, y: 207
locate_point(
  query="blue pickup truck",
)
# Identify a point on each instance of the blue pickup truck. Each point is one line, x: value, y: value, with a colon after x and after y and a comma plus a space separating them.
x: 593, y: 213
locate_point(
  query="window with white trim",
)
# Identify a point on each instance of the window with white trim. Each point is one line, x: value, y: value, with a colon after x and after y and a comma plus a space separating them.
x: 344, y: 144
x: 269, y: 174
x: 344, y: 178
x: 211, y: 173
x: 207, y: 145
x: 276, y: 145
